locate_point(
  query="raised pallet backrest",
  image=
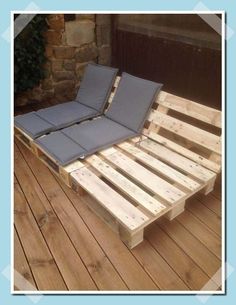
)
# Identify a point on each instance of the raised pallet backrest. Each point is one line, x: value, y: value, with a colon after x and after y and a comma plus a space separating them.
x: 189, y: 128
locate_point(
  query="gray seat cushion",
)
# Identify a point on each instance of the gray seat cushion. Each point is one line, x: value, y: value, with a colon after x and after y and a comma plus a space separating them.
x: 60, y: 115
x: 96, y: 86
x: 79, y: 141
x: 32, y: 124
x: 60, y: 147
x: 97, y: 134
x: 133, y: 101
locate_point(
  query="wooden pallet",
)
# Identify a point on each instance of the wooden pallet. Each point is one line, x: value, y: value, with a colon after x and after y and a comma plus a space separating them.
x: 138, y: 181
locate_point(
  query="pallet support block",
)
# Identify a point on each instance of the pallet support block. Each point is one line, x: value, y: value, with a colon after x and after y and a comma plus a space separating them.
x: 177, y: 210
x: 209, y: 187
x: 131, y: 239
x: 46, y: 160
x: 103, y: 214
x: 65, y: 176
x: 78, y: 189
x: 23, y: 138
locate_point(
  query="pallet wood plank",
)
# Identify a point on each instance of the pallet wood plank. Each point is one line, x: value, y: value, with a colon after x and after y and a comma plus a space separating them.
x: 21, y: 268
x: 187, y: 131
x: 183, y: 151
x: 161, y: 167
x: 151, y: 181
x: 118, y: 206
x: 38, y: 255
x: 189, y: 167
x: 190, y: 108
x: 151, y: 204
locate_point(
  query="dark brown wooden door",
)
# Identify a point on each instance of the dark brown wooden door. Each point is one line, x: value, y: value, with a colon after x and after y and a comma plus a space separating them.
x: 182, y: 56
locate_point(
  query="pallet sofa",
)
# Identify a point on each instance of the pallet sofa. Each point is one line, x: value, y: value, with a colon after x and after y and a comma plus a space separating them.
x: 137, y: 181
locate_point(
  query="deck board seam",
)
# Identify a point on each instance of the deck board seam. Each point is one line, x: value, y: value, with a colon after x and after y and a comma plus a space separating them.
x: 195, y: 263
x: 33, y: 277
x: 46, y: 243
x: 203, y: 221
x: 57, y: 220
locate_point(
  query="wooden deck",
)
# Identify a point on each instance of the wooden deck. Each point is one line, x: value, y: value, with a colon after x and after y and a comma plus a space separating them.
x: 61, y: 245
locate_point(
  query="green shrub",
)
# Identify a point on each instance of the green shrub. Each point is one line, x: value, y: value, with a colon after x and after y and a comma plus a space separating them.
x: 29, y: 49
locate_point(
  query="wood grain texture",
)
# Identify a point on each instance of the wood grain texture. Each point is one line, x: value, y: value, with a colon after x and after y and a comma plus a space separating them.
x: 193, y: 276
x: 22, y: 268
x: 142, y: 198
x: 211, y: 220
x: 66, y: 257
x: 187, y: 131
x: 198, y: 252
x: 201, y: 231
x: 149, y: 180
x: 38, y: 254
x: 198, y: 111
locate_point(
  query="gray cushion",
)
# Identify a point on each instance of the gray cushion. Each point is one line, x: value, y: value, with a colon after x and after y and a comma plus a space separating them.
x: 32, y: 124
x: 92, y: 97
x: 96, y: 86
x: 123, y: 120
x: 60, y: 147
x: 133, y: 101
x: 97, y: 134
x: 67, y: 113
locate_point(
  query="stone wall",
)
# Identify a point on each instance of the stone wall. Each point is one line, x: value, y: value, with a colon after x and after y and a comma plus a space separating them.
x: 72, y: 41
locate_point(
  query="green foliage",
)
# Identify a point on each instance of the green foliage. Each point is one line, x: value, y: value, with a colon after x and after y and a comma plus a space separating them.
x: 29, y: 49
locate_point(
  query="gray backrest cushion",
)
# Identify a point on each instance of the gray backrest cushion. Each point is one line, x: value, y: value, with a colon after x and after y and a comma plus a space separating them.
x: 96, y: 86
x: 133, y: 101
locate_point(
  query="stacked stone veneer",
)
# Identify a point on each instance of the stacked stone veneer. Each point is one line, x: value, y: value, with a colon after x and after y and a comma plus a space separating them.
x: 70, y: 46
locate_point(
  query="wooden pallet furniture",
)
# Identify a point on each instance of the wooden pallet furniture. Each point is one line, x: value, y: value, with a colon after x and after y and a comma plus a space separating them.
x: 138, y: 181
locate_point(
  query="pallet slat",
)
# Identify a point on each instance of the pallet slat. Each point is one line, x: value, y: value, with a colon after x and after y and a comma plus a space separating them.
x: 190, y: 108
x: 187, y: 131
x: 149, y: 180
x: 183, y: 151
x: 124, y: 211
x: 191, y: 168
x: 161, y: 167
x: 151, y: 204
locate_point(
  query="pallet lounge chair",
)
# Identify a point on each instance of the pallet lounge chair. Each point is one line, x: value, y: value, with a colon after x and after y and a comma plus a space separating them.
x: 149, y: 176
x: 90, y: 102
x: 124, y: 119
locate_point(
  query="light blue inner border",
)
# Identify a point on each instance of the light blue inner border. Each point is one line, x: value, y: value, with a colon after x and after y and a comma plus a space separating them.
x: 229, y: 7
